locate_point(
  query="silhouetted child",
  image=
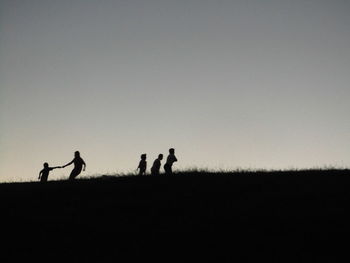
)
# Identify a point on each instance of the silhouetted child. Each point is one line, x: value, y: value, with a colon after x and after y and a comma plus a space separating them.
x: 156, y: 165
x: 169, y: 161
x: 142, y: 165
x: 44, y: 173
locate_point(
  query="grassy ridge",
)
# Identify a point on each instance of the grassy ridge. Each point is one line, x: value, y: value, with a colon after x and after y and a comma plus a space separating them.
x: 296, y: 216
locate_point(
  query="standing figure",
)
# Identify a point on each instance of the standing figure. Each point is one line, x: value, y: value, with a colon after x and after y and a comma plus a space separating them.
x: 44, y: 173
x: 156, y: 165
x: 169, y: 161
x: 142, y: 165
x: 79, y: 164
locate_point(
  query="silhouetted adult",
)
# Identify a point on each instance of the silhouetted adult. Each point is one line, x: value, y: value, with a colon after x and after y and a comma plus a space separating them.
x: 79, y: 164
x: 44, y: 173
x: 169, y: 161
x: 156, y: 165
x: 142, y: 164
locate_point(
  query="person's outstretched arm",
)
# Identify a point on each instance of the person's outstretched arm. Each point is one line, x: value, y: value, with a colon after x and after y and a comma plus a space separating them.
x: 68, y: 164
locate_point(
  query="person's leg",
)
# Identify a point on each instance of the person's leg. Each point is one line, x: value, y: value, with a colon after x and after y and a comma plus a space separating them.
x: 167, y: 169
x: 71, y: 176
x: 43, y: 179
x: 74, y: 174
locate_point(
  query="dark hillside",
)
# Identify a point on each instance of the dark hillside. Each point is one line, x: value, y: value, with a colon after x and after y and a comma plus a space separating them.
x: 279, y: 217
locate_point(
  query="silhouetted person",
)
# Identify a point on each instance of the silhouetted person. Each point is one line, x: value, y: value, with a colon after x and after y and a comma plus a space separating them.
x: 156, y: 165
x: 78, y: 166
x: 142, y: 165
x: 44, y: 173
x: 169, y: 161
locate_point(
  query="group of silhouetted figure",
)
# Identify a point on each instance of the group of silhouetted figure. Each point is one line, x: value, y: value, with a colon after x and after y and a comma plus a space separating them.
x: 79, y: 165
x: 155, y: 169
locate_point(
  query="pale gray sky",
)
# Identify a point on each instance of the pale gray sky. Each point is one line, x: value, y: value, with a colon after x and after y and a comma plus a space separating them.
x: 249, y: 83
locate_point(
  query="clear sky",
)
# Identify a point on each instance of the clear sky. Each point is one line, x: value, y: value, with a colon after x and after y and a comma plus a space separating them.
x: 247, y: 83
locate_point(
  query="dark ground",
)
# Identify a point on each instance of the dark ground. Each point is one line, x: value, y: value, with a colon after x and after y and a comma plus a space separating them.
x: 244, y: 217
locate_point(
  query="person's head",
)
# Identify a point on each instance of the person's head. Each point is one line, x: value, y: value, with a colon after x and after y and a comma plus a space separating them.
x: 46, y: 165
x: 171, y: 150
x: 77, y: 154
x: 160, y: 156
x: 143, y: 156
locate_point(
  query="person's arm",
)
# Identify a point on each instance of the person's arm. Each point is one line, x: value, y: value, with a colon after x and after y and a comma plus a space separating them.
x: 84, y: 165
x: 56, y: 167
x: 40, y: 174
x: 175, y: 160
x: 140, y: 165
x: 68, y: 164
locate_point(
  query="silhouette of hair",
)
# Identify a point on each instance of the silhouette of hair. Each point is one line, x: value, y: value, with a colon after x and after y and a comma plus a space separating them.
x: 46, y: 165
x: 171, y: 150
x: 160, y: 156
x: 143, y: 156
x: 77, y: 154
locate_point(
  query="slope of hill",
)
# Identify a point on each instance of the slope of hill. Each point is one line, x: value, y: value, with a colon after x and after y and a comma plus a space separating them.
x: 299, y: 216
